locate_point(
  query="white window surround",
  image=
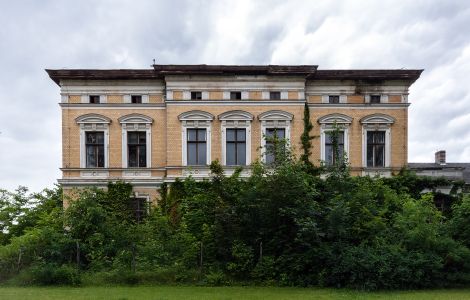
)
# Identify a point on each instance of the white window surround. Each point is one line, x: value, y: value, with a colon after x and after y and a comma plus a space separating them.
x: 128, y: 98
x: 195, y: 119
x: 326, y: 98
x: 327, y: 123
x: 85, y: 98
x: 93, y: 122
x: 136, y: 122
x: 236, y: 119
x: 274, y: 119
x: 377, y: 122
x: 383, y: 98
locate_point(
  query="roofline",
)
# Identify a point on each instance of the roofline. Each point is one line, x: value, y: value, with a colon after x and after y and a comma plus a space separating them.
x: 369, y: 74
x: 100, y: 74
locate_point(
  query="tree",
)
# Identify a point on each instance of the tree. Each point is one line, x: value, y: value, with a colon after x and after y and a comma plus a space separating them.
x: 306, y: 137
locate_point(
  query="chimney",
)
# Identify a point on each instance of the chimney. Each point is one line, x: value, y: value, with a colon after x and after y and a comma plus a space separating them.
x: 440, y: 157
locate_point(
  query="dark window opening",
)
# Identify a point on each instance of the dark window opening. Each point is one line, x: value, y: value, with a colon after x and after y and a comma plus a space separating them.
x: 236, y: 146
x: 196, y: 95
x: 376, y: 148
x: 196, y: 147
x: 374, y: 98
x: 94, y: 99
x: 275, y: 95
x: 137, y: 149
x: 331, y: 157
x: 235, y: 95
x: 333, y: 99
x: 94, y: 144
x: 136, y: 99
x: 273, y: 135
x: 139, y: 208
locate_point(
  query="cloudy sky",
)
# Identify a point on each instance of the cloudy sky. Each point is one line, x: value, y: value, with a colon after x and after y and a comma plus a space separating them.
x: 34, y: 35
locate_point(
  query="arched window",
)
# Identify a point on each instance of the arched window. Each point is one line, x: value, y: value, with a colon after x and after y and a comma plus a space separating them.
x: 376, y: 140
x: 136, y: 141
x: 327, y: 125
x: 196, y: 137
x: 274, y: 123
x: 94, y: 140
x: 236, y: 137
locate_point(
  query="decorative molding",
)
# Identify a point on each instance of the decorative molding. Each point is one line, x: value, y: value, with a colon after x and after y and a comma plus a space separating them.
x: 236, y: 115
x: 136, y: 122
x: 236, y: 119
x: 198, y: 115
x: 135, y: 119
x: 275, y: 115
x: 335, y: 118
x: 377, y: 119
x: 92, y: 119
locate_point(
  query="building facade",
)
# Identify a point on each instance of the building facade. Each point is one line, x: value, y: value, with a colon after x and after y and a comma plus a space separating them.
x: 152, y: 126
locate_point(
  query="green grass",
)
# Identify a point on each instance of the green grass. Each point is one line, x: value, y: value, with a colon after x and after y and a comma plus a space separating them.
x: 219, y: 293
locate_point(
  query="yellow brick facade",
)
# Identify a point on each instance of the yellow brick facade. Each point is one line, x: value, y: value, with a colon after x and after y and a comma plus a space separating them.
x: 168, y: 100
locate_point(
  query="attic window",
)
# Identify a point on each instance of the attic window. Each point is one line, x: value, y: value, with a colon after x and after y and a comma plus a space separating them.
x: 136, y: 99
x: 374, y: 98
x: 275, y: 95
x: 196, y: 95
x: 235, y: 95
x: 94, y: 99
x: 333, y: 99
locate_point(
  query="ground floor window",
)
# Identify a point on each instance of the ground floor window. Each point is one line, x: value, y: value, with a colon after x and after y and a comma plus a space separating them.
x: 139, y: 208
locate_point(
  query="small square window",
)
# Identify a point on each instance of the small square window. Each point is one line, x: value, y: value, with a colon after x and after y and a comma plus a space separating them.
x: 136, y: 99
x: 196, y: 95
x: 235, y: 95
x: 275, y: 95
x: 95, y: 99
x: 333, y: 99
x: 374, y: 98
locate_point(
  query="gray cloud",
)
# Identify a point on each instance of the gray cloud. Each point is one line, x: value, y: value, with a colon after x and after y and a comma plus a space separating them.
x: 129, y: 34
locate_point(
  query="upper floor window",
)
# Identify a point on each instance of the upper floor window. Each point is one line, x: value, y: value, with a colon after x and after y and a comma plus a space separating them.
x: 275, y: 95
x: 196, y: 146
x: 333, y: 99
x: 196, y: 130
x: 332, y: 155
x: 236, y: 146
x: 376, y: 148
x: 94, y: 99
x: 274, y: 138
x: 94, y: 144
x: 136, y: 98
x: 137, y: 149
x: 94, y: 140
x: 375, y: 98
x: 196, y: 95
x: 235, y: 95
x: 136, y: 141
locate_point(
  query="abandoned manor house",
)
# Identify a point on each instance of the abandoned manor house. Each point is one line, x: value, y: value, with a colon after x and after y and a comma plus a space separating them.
x: 149, y: 126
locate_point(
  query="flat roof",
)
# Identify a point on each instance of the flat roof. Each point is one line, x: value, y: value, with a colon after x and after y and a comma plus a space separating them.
x: 307, y: 71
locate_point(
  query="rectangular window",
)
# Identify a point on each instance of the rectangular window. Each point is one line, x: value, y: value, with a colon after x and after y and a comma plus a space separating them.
x: 235, y: 146
x: 196, y: 95
x: 136, y: 99
x: 139, y: 207
x: 275, y: 95
x: 330, y: 156
x: 375, y: 148
x: 374, y: 98
x: 196, y: 146
x: 235, y: 95
x: 94, y: 99
x: 137, y: 149
x: 94, y: 144
x: 273, y: 135
x: 333, y: 99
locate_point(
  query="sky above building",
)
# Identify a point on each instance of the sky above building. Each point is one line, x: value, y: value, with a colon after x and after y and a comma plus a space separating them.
x: 415, y: 34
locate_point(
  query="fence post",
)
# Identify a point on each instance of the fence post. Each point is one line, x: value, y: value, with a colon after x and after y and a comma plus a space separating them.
x: 77, y: 254
x: 261, y: 251
x: 19, y: 258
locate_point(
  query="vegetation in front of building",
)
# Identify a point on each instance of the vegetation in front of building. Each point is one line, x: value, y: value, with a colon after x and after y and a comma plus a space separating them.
x: 284, y: 225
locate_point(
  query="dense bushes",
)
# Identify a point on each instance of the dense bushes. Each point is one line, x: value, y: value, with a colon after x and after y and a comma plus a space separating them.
x: 283, y: 225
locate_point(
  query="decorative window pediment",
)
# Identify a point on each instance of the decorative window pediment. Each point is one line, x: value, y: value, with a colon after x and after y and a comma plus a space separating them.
x: 335, y: 118
x: 277, y: 115
x: 93, y: 119
x: 197, y: 115
x: 237, y: 115
x: 135, y: 119
x: 378, y: 119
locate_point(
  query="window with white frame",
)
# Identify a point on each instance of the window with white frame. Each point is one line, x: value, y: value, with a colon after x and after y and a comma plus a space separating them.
x: 136, y: 141
x: 94, y: 140
x: 376, y: 140
x: 274, y: 123
x: 236, y: 137
x: 196, y: 137
x: 328, y: 124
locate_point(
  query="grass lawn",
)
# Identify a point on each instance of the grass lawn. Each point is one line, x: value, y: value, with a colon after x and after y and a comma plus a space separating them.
x: 219, y: 293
